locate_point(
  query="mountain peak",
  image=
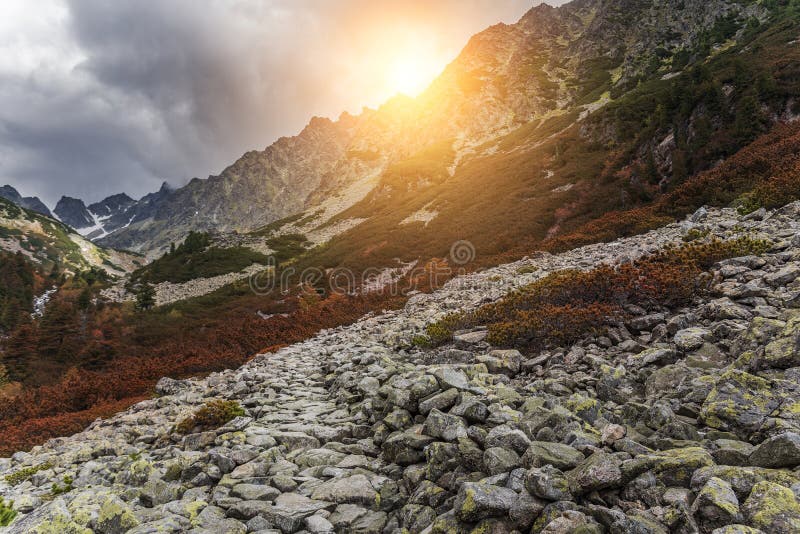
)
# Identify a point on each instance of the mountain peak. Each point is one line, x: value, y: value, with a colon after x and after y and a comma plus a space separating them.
x: 32, y: 203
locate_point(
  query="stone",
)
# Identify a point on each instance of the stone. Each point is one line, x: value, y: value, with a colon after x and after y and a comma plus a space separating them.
x: 52, y: 517
x: 507, y: 362
x: 405, y: 448
x: 716, y: 505
x: 468, y: 339
x: 445, y: 426
x: 157, y: 492
x: 509, y: 438
x: 291, y: 509
x: 772, y: 508
x: 731, y: 452
x: 318, y: 525
x: 476, y: 501
x: 245, y: 510
x: 598, y: 471
x: 742, y: 479
x: 416, y: 517
x: 525, y: 509
x: 779, y: 451
x: 441, y: 401
x: 498, y: 460
x: 736, y: 529
x: 115, y: 517
x: 449, y: 377
x: 783, y: 276
x: 541, y: 453
x: 355, y: 489
x: 548, y: 483
x: 782, y: 353
x: 689, y: 339
x: 472, y: 410
x: 740, y: 402
x: 254, y: 492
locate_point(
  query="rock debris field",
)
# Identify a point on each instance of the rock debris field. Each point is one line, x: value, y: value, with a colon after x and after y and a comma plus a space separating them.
x: 681, y: 420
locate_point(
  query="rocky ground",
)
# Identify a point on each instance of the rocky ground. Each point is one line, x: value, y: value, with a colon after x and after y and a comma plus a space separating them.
x: 681, y: 420
x: 169, y: 292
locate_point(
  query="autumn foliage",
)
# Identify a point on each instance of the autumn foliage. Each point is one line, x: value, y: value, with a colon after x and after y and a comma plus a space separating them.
x: 765, y: 174
x: 564, y: 306
x: 82, y: 394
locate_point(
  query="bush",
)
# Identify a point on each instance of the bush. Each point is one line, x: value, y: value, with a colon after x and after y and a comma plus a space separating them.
x: 564, y: 306
x: 7, y: 512
x: 211, y: 415
x: 18, y: 477
x: 57, y: 489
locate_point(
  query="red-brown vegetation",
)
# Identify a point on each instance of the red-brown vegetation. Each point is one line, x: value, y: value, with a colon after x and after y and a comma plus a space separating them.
x: 81, y: 395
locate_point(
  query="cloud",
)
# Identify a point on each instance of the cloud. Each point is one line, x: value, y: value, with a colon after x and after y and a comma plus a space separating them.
x: 99, y: 97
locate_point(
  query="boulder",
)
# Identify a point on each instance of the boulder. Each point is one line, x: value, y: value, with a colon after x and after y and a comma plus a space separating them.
x: 476, y: 501
x: 716, y: 505
x: 548, y: 483
x: 541, y: 453
x: 772, y: 508
x: 444, y: 426
x: 355, y: 489
x: 598, y: 471
x: 779, y: 451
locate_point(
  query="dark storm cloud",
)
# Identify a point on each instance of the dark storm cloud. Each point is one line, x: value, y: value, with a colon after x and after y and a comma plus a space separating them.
x: 121, y: 95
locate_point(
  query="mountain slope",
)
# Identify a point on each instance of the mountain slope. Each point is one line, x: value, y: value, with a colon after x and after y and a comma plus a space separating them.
x: 32, y: 203
x: 49, y: 243
x: 618, y: 430
x: 518, y: 101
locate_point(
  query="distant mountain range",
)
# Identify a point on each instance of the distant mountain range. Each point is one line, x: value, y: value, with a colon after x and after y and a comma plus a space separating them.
x: 50, y: 243
x: 32, y: 203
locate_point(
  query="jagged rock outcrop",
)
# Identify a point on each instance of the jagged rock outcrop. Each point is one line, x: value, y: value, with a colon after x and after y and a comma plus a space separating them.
x: 72, y: 211
x: 677, y: 420
x: 31, y: 203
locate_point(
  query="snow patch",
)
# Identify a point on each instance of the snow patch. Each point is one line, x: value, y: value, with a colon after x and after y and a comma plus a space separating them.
x: 424, y: 215
x: 40, y: 302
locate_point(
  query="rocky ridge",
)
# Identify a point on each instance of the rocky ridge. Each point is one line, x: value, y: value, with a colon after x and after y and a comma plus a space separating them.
x: 680, y: 420
x: 31, y: 203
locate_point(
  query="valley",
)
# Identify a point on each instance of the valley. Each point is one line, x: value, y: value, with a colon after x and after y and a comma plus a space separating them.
x: 572, y: 270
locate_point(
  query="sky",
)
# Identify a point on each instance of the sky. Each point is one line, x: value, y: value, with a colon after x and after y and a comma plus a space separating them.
x: 100, y: 97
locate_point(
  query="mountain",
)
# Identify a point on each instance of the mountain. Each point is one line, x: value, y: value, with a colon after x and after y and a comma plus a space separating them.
x: 535, y: 109
x: 32, y: 203
x: 98, y: 219
x: 72, y: 211
x: 50, y: 243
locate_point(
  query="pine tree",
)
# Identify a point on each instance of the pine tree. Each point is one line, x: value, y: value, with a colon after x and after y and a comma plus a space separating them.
x: 145, y: 296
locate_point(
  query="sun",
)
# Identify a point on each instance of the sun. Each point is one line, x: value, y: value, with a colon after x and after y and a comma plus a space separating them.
x: 410, y: 75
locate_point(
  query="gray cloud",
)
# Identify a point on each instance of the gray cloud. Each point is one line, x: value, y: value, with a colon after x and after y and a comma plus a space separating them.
x: 104, y: 97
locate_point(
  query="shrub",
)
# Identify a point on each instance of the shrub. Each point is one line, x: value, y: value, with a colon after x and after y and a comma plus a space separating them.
x: 564, y: 306
x: 7, y: 512
x: 18, y: 477
x: 212, y: 414
x: 57, y: 489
